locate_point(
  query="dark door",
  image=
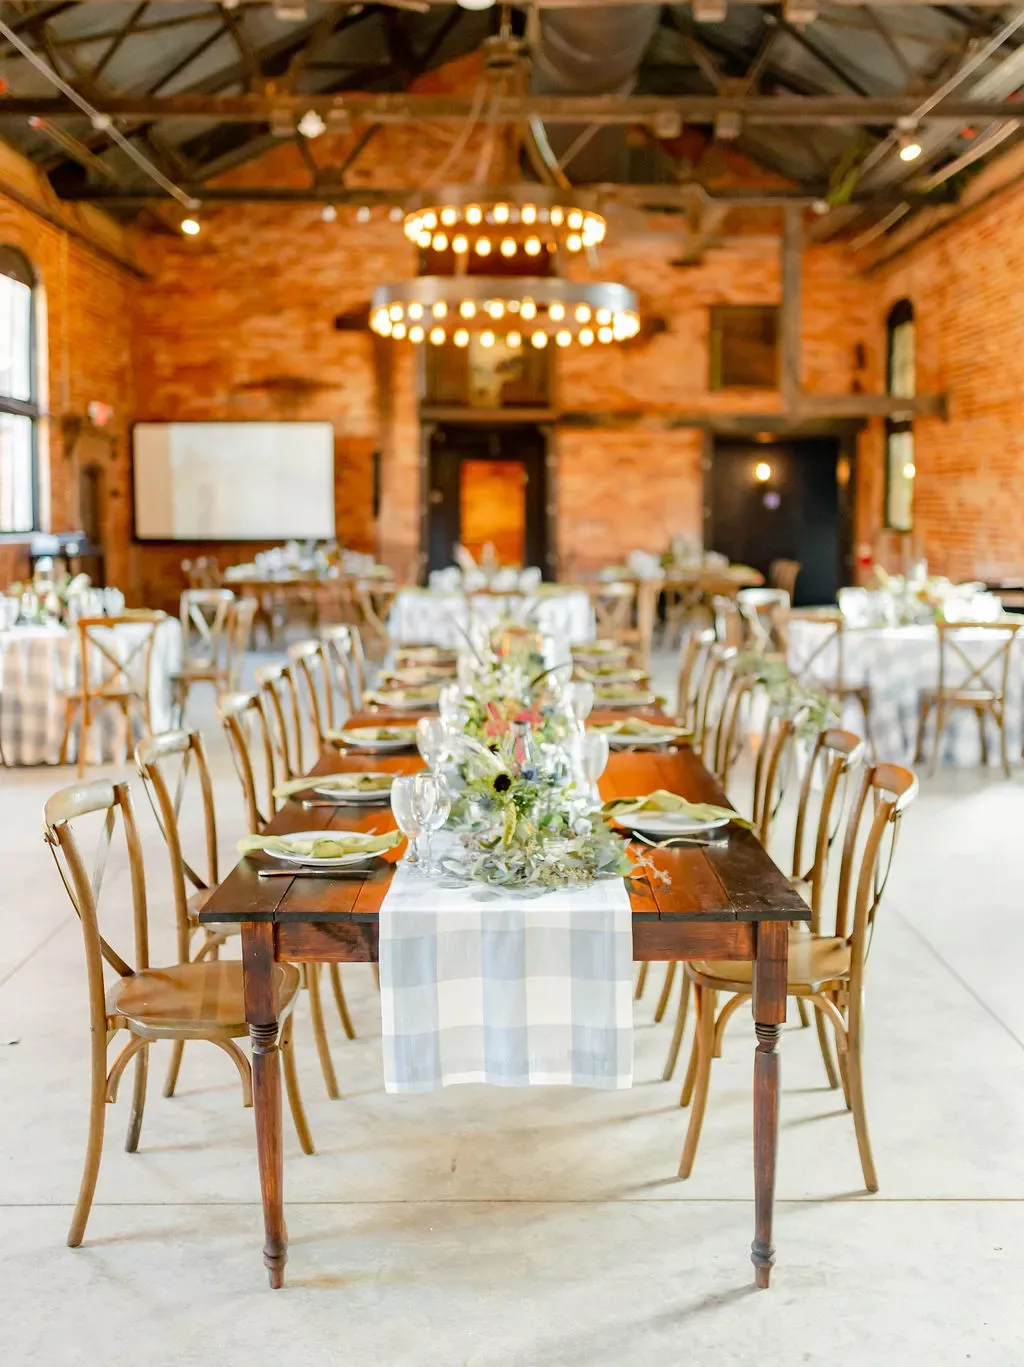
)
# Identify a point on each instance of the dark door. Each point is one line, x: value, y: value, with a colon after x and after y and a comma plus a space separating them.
x: 780, y: 501
x: 487, y: 485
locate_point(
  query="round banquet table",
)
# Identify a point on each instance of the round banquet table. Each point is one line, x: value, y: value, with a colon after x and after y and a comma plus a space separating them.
x: 39, y: 666
x: 896, y: 664
x: 425, y: 616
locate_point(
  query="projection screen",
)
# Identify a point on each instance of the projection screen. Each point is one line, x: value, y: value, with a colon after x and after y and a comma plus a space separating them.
x: 233, y: 481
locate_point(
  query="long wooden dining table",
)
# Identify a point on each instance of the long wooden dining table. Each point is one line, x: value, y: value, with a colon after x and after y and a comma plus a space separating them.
x: 726, y: 900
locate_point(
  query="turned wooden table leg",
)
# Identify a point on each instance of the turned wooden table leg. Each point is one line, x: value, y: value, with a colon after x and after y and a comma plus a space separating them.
x: 769, y: 1008
x: 261, y: 1015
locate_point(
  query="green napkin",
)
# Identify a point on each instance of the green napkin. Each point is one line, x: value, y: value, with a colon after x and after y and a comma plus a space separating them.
x: 637, y: 726
x: 663, y: 801
x: 342, y: 783
x: 619, y: 690
x: 605, y: 647
x: 426, y: 693
x: 330, y: 845
x: 610, y: 673
x: 358, y: 734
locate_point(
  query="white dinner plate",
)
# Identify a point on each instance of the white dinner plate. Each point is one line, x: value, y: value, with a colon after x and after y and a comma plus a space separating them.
x: 341, y: 861
x: 625, y: 700
x: 644, y: 742
x: 345, y: 796
x: 669, y: 823
x: 357, y: 737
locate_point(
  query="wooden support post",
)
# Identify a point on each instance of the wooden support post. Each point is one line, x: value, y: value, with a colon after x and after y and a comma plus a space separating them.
x: 789, y: 314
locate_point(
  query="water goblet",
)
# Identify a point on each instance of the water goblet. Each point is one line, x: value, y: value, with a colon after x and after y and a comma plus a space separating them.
x: 580, y: 696
x: 448, y: 704
x: 595, y: 759
x: 406, y: 814
x: 432, y: 740
x: 432, y: 802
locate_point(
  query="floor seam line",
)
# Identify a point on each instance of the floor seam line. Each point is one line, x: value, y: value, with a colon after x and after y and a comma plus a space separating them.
x: 33, y: 952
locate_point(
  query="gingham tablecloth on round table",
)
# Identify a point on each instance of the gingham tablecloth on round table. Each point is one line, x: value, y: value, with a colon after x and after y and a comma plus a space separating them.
x: 39, y: 667
x: 896, y: 663
x: 425, y: 616
x: 515, y: 992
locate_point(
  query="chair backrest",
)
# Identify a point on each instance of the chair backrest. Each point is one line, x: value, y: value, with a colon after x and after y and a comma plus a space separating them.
x: 834, y: 756
x: 884, y: 794
x: 205, y: 619
x: 758, y: 609
x: 728, y: 623
x: 312, y: 674
x: 239, y: 634
x: 336, y: 601
x: 373, y: 602
x: 614, y: 607
x: 60, y: 815
x: 692, y: 663
x: 782, y: 574
x: 976, y: 657
x: 202, y: 573
x: 725, y: 730
x: 712, y: 692
x: 157, y: 758
x: 112, y: 665
x: 772, y: 770
x: 345, y: 652
x: 279, y: 700
x: 824, y: 663
x: 254, y: 753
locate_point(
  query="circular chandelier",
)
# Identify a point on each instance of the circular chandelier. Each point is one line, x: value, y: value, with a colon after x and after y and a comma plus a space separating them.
x: 521, y: 310
x: 505, y: 220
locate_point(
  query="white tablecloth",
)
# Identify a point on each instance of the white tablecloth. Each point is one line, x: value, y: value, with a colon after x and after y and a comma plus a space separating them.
x: 516, y: 992
x: 896, y: 663
x: 38, y: 668
x: 432, y: 618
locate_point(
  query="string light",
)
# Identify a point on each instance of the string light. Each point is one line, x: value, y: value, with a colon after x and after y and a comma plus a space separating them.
x: 461, y: 337
x: 437, y: 336
x: 460, y: 244
x: 487, y: 339
x: 514, y: 340
x: 508, y: 246
x: 539, y: 340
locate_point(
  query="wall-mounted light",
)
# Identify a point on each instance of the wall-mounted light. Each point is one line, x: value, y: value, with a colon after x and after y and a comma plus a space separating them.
x: 910, y: 149
x: 762, y: 472
x: 909, y: 470
x: 190, y: 226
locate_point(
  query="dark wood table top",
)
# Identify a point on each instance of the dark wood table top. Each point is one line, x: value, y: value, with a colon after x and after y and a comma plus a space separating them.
x: 736, y: 881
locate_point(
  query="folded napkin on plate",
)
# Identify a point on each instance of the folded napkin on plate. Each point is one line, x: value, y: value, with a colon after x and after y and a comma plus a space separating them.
x: 427, y: 693
x: 637, y: 726
x: 619, y: 690
x: 663, y: 801
x: 330, y: 845
x: 407, y: 734
x: 341, y: 783
x: 609, y: 673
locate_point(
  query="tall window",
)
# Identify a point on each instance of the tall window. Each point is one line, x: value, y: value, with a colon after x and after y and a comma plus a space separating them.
x: 19, y: 408
x: 899, y: 428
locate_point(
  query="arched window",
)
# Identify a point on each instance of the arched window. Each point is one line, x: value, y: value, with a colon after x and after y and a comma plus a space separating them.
x: 19, y: 394
x: 901, y: 381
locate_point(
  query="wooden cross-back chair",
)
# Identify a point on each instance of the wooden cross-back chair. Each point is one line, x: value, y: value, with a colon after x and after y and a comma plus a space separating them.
x: 345, y: 651
x: 826, y: 971
x: 279, y: 698
x: 760, y: 610
x: 314, y: 680
x: 692, y: 663
x: 110, y: 675
x: 782, y: 574
x: 373, y: 604
x: 831, y: 651
x: 215, y: 630
x: 202, y: 573
x: 978, y: 684
x: 625, y: 611
x: 250, y: 735
x: 712, y: 693
x: 728, y: 622
x: 182, y: 1001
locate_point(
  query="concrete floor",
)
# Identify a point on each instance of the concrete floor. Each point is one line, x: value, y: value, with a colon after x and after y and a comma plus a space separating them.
x: 478, y: 1226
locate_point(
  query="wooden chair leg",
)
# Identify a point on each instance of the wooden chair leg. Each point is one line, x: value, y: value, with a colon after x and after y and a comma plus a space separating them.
x: 680, y: 1026
x: 376, y: 974
x: 291, y: 1085
x: 691, y: 1067
x: 641, y: 981
x: 94, y: 1143
x: 666, y: 992
x: 171, y: 1080
x: 940, y: 726
x: 826, y: 1048
x: 242, y: 1064
x: 1003, y: 753
x: 855, y: 1082
x: 316, y: 1012
x: 922, y: 726
x: 801, y: 1010
x: 865, y: 706
x: 339, y: 1000
x: 69, y: 716
x: 705, y: 1038
x: 131, y: 1142
x: 979, y: 712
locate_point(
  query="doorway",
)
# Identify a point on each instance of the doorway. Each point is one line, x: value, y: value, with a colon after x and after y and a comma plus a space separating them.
x: 787, y: 499
x: 487, y: 485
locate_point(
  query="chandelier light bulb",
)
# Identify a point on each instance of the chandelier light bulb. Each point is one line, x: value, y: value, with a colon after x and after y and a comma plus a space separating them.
x: 539, y: 340
x: 532, y: 246
x: 439, y: 242
x: 416, y: 334
x: 604, y: 334
x: 604, y: 316
x: 514, y: 340
x: 528, y: 214
x: 190, y: 227
x: 557, y: 217
x: 467, y: 308
x: 437, y: 336
x: 574, y: 242
x: 496, y: 308
x: 448, y: 216
x: 582, y: 313
x: 415, y: 310
x: 460, y: 244
x: 487, y: 339
x: 329, y: 213
x: 413, y: 228
x: 556, y: 312
x: 586, y: 337
x: 474, y: 215
x: 398, y: 331
x: 501, y: 213
x: 483, y: 246
x: 430, y: 220
x: 508, y: 246
x: 910, y: 149
x: 440, y: 309
x: 575, y: 219
x: 527, y: 310
x: 564, y: 337
x: 461, y: 337
x: 395, y: 312
x: 423, y: 240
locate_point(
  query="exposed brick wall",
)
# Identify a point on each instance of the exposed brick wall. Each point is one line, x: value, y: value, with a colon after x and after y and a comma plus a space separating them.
x: 87, y: 299
x: 965, y: 282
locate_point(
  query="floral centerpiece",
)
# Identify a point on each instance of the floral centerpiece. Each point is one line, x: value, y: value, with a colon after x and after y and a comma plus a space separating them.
x: 56, y: 595
x: 809, y: 707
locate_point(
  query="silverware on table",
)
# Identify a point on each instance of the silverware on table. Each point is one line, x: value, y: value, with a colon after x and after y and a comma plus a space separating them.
x: 679, y: 840
x: 337, y: 802
x: 300, y: 872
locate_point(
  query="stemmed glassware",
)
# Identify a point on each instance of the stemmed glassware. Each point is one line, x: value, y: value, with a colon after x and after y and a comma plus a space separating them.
x: 421, y: 804
x: 406, y: 814
x: 580, y: 697
x: 595, y: 758
x: 432, y: 741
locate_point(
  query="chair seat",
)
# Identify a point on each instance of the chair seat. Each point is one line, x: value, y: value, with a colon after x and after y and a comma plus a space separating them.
x: 813, y: 961
x: 193, y: 999
x: 970, y: 697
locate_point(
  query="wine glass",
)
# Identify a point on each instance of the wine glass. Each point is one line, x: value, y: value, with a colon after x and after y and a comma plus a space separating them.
x: 432, y: 803
x: 595, y: 758
x: 406, y: 813
x: 448, y: 704
x: 432, y: 740
x: 580, y: 697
